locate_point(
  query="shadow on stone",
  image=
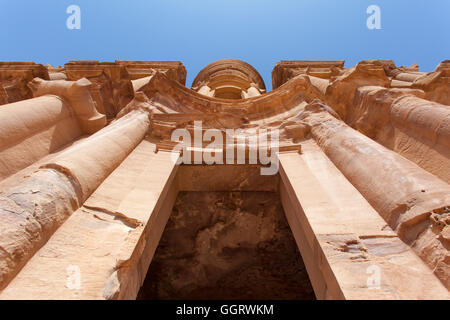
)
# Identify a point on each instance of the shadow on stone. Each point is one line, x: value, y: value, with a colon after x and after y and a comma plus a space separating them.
x: 227, y: 245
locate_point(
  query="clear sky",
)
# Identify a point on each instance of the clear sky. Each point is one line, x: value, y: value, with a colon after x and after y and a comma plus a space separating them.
x: 197, y: 32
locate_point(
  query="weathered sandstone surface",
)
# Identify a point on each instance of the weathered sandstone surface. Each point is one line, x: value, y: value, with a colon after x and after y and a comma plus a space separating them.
x: 227, y: 245
x: 89, y: 179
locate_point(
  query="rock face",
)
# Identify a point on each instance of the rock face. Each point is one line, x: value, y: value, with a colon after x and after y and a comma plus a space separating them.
x: 90, y: 175
x: 227, y: 245
x: 14, y: 77
x: 111, y: 89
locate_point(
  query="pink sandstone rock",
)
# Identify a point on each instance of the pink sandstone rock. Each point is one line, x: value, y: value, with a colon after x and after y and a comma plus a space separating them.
x: 88, y: 181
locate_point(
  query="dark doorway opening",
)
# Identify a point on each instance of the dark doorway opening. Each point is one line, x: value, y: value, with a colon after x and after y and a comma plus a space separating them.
x: 227, y: 245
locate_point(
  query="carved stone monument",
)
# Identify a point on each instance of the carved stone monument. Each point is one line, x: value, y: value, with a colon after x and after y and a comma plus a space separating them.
x: 95, y: 191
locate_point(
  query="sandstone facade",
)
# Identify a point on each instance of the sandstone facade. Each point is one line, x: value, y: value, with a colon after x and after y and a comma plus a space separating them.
x: 89, y: 181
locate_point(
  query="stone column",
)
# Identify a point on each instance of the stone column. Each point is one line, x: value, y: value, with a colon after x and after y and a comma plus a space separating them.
x: 111, y: 239
x: 428, y: 119
x: 412, y: 201
x: 33, y: 210
x: 93, y: 159
x: 341, y: 237
x: 400, y: 119
x: 31, y: 129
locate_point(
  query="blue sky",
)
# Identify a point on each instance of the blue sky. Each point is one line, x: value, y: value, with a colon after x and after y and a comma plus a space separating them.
x: 198, y: 32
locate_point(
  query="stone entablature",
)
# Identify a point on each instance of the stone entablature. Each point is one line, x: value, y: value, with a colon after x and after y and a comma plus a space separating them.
x: 174, y: 70
x: 286, y: 70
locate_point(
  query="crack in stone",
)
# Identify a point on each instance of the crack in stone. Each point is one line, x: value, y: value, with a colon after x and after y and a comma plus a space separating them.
x: 129, y: 222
